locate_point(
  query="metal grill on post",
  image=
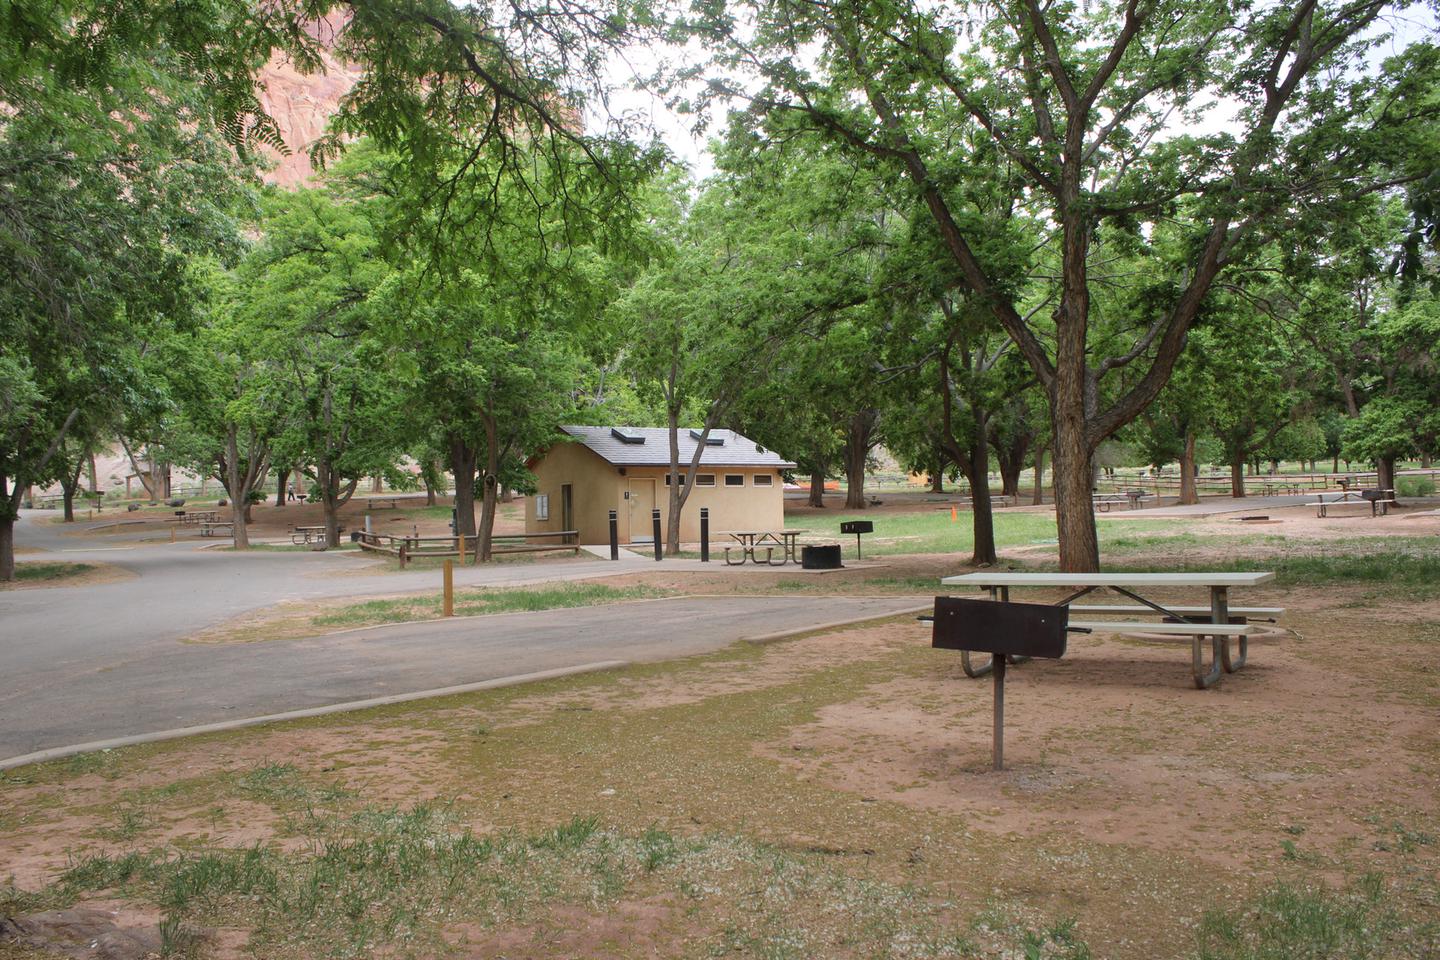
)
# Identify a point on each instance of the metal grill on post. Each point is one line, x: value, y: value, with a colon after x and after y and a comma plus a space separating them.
x: 704, y: 534
x: 614, y: 536
x: 655, y: 526
x: 1003, y: 630
x: 857, y: 527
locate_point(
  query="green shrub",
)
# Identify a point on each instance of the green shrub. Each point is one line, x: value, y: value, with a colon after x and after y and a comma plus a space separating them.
x: 1415, y: 487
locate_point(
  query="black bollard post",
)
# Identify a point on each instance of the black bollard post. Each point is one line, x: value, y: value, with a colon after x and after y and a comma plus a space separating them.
x: 655, y: 524
x: 704, y: 534
x: 614, y: 536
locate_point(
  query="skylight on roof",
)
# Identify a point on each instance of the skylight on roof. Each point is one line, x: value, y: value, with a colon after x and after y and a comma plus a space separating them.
x: 710, y: 441
x: 626, y: 436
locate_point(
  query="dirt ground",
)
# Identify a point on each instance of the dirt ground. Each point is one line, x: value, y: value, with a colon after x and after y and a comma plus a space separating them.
x: 843, y: 769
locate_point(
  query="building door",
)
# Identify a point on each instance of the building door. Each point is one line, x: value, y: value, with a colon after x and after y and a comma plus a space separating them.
x: 642, y: 503
x: 567, y: 508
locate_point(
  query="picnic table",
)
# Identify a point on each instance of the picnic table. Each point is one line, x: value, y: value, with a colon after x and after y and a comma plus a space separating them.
x: 1131, y: 498
x: 196, y: 517
x: 373, y: 502
x: 216, y: 528
x: 1379, y: 500
x: 1217, y: 620
x: 307, y: 535
x: 750, y: 540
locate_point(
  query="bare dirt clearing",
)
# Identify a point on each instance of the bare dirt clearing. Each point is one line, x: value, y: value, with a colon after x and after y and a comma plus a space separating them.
x: 822, y: 796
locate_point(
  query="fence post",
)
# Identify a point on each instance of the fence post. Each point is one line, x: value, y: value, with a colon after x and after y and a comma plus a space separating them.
x: 614, y: 536
x: 655, y: 526
x: 403, y: 545
x: 449, y: 589
x: 704, y: 534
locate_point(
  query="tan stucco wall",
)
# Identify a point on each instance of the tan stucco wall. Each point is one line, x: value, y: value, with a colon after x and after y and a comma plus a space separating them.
x: 599, y: 488
x: 596, y: 491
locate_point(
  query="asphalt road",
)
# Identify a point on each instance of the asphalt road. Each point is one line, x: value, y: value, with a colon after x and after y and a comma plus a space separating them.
x: 93, y: 663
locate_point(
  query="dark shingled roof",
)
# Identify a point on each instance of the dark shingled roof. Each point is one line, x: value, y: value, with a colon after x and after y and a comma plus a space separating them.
x: 736, y: 451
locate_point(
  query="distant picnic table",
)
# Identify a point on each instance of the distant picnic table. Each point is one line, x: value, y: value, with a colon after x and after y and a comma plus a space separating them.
x: 373, y: 502
x: 751, y: 540
x: 1379, y: 501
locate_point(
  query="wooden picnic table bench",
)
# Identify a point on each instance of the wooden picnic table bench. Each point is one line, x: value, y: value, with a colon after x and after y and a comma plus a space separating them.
x: 216, y: 528
x: 1217, y: 621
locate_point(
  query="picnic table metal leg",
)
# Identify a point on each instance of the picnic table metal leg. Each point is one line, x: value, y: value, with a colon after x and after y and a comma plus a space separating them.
x: 1220, y: 613
x: 1204, y: 678
x: 974, y: 672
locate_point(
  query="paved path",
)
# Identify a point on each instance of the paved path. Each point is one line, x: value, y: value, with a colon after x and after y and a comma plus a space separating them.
x: 89, y: 663
x: 108, y: 693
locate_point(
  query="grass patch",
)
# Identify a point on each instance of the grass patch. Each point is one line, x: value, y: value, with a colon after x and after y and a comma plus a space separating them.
x: 1408, y: 564
x: 932, y: 530
x: 1291, y: 923
x: 47, y: 572
x: 476, y: 602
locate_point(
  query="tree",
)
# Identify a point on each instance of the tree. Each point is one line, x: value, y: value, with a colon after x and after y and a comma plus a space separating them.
x: 101, y: 200
x: 1082, y: 106
x: 308, y: 309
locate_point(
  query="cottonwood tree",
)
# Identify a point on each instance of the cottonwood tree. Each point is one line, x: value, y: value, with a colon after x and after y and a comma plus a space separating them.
x: 1102, y: 110
x: 307, y: 306
x: 102, y: 198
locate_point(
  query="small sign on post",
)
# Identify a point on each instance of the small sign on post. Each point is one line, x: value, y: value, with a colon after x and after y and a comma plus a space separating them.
x: 449, y: 609
x: 1003, y: 630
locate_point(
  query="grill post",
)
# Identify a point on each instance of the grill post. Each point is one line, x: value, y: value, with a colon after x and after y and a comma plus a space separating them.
x: 614, y: 536
x: 655, y: 526
x: 998, y: 747
x: 704, y: 534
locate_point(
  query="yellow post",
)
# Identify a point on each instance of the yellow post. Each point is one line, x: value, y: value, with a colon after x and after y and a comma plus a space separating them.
x: 172, y: 533
x: 462, y: 548
x: 954, y: 514
x: 449, y: 589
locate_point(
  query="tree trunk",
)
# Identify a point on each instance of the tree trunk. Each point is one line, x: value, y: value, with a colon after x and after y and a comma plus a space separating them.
x: 1039, y: 494
x: 983, y: 515
x: 1424, y: 461
x: 94, y: 481
x: 1385, y: 473
x: 282, y: 477
x: 859, y: 438
x: 1237, y: 476
x: 507, y: 495
x: 7, y: 543
x: 937, y: 481
x: 239, y: 492
x: 855, y: 478
x: 1073, y: 476
x: 429, y: 492
x: 1188, y: 493
x: 489, y: 483
x: 462, y: 465
x: 1010, y: 475
x: 1335, y: 464
x: 67, y: 490
x: 377, y: 485
x: 817, y: 488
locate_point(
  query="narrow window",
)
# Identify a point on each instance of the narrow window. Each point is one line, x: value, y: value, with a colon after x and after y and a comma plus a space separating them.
x: 542, y: 506
x: 704, y: 479
x: 734, y: 479
x: 763, y: 480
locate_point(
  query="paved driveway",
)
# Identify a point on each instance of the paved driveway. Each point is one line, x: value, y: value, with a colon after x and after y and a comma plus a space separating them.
x: 92, y: 663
